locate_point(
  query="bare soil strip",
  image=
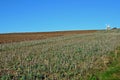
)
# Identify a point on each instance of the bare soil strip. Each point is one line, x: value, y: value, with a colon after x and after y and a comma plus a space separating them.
x: 18, y: 37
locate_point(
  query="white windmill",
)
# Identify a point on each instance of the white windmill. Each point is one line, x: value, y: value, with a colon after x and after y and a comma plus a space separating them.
x: 108, y: 27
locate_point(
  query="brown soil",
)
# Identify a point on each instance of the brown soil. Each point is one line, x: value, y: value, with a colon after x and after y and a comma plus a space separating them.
x: 17, y: 37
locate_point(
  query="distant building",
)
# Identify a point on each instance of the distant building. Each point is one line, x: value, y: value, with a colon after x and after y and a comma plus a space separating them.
x: 114, y: 28
x: 108, y: 27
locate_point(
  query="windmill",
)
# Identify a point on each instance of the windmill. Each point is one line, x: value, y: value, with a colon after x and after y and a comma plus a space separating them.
x: 108, y: 27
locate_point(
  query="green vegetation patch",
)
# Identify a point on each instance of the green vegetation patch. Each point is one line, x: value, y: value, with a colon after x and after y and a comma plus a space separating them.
x: 112, y: 72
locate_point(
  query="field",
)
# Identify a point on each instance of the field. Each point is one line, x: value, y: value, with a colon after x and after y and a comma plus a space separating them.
x: 61, y: 56
x: 18, y: 37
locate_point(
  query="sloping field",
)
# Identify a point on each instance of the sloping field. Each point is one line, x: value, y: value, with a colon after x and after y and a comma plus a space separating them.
x: 17, y: 37
x: 93, y: 56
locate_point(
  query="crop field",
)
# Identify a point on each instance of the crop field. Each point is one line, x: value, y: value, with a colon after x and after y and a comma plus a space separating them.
x: 18, y: 37
x: 75, y: 56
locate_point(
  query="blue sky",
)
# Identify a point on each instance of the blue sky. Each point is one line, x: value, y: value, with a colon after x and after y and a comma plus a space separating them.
x: 57, y: 15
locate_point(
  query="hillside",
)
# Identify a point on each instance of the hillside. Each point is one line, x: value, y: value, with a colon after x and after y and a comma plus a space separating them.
x: 92, y: 56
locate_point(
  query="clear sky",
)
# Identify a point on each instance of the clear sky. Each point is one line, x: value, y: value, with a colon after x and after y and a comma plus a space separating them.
x: 56, y: 15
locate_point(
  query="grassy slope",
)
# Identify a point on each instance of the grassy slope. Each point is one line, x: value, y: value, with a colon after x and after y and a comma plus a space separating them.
x: 113, y: 71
